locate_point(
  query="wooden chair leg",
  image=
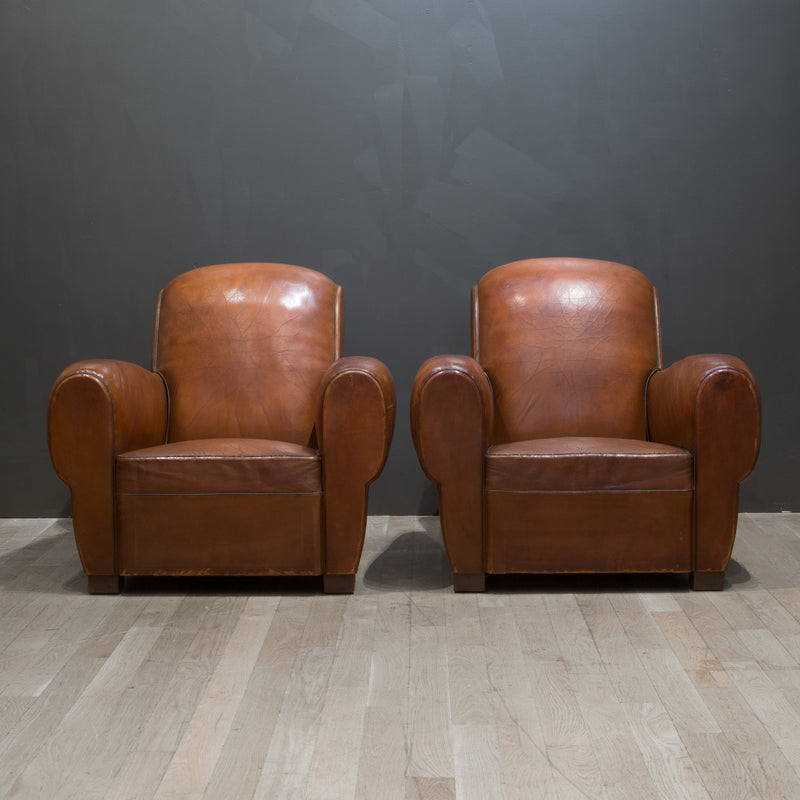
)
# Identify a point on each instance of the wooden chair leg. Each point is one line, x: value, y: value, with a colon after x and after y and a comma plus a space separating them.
x: 707, y: 581
x: 469, y: 582
x: 339, y: 584
x: 105, y: 584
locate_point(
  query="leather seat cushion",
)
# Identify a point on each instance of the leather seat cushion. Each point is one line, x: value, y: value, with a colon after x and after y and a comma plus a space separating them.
x: 220, y: 466
x: 587, y: 464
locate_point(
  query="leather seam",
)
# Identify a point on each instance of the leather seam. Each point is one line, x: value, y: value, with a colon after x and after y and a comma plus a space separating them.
x: 589, y: 491
x: 158, y: 459
x: 588, y: 455
x: 217, y: 494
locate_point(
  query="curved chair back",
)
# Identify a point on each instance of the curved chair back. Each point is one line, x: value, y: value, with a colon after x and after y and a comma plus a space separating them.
x: 568, y: 345
x: 243, y: 348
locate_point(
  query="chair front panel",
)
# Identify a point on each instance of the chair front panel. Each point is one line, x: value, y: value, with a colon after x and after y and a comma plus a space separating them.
x: 243, y: 348
x: 216, y: 534
x: 551, y: 532
x: 568, y: 345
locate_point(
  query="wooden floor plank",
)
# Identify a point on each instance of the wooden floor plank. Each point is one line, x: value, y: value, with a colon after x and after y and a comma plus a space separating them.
x: 665, y: 755
x: 619, y: 657
x: 767, y: 767
x: 196, y: 756
x: 403, y: 690
x: 383, y: 757
x: 430, y: 731
x: 477, y: 763
x: 333, y: 774
x: 285, y: 769
x: 238, y: 769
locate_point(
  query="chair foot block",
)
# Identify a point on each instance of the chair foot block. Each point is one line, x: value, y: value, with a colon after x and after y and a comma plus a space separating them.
x: 707, y: 581
x: 105, y: 584
x: 339, y: 584
x: 469, y: 582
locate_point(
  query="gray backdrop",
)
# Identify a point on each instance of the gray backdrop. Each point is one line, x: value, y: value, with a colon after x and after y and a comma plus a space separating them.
x: 404, y: 147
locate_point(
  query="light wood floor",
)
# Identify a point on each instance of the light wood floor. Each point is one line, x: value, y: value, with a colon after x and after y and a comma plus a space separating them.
x: 541, y: 688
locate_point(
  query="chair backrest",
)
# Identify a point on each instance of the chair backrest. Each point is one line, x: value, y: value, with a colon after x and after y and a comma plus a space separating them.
x: 568, y: 345
x: 243, y: 348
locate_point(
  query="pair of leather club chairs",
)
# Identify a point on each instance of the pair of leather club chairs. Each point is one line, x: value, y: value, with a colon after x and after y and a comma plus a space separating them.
x: 560, y: 446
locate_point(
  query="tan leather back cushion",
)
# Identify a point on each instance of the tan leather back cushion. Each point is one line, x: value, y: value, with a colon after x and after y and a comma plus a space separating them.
x: 568, y: 345
x: 243, y: 348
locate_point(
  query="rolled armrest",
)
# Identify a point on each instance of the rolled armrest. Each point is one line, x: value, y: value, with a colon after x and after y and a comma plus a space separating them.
x: 98, y: 409
x: 710, y: 405
x: 452, y: 410
x: 708, y: 401
x: 355, y: 422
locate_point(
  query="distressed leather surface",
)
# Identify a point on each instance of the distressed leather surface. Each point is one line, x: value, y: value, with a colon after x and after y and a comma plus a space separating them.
x: 451, y: 423
x: 96, y: 409
x: 243, y: 348
x: 568, y: 345
x: 584, y: 464
x: 563, y: 446
x: 220, y: 466
x: 213, y: 534
x: 549, y: 532
x: 249, y: 448
x: 711, y: 405
x: 355, y: 421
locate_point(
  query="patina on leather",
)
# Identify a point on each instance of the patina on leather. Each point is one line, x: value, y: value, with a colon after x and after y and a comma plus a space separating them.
x: 247, y: 449
x: 563, y: 445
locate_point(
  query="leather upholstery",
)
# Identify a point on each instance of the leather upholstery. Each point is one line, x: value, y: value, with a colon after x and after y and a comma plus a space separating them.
x: 283, y: 325
x: 562, y: 445
x: 229, y: 466
x: 355, y: 419
x: 586, y: 464
x: 247, y: 449
x: 452, y: 411
x: 568, y: 348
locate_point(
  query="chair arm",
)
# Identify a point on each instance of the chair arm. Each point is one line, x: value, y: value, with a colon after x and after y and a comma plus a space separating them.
x: 355, y: 422
x: 710, y: 405
x: 98, y: 409
x: 452, y: 411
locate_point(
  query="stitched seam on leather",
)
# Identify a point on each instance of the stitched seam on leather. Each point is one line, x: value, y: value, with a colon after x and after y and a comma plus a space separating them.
x: 657, y: 310
x: 647, y: 390
x: 588, y: 491
x: 476, y: 330
x: 115, y: 545
x: 127, y: 457
x: 216, y: 494
x: 337, y: 344
x: 156, y: 329
x: 616, y: 456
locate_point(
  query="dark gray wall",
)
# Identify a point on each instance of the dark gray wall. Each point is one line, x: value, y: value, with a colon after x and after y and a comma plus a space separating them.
x: 404, y: 147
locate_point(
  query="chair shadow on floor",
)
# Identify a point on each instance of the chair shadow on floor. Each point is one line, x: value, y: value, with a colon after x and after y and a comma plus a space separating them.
x: 600, y: 583
x: 604, y: 583
x: 413, y: 560
x: 416, y: 559
x: 50, y: 564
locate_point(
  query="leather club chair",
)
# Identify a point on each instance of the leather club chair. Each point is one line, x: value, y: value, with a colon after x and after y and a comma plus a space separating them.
x: 564, y: 446
x: 247, y: 449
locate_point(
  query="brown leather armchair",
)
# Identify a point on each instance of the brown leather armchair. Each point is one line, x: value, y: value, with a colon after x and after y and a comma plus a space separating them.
x: 246, y: 450
x: 563, y: 446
